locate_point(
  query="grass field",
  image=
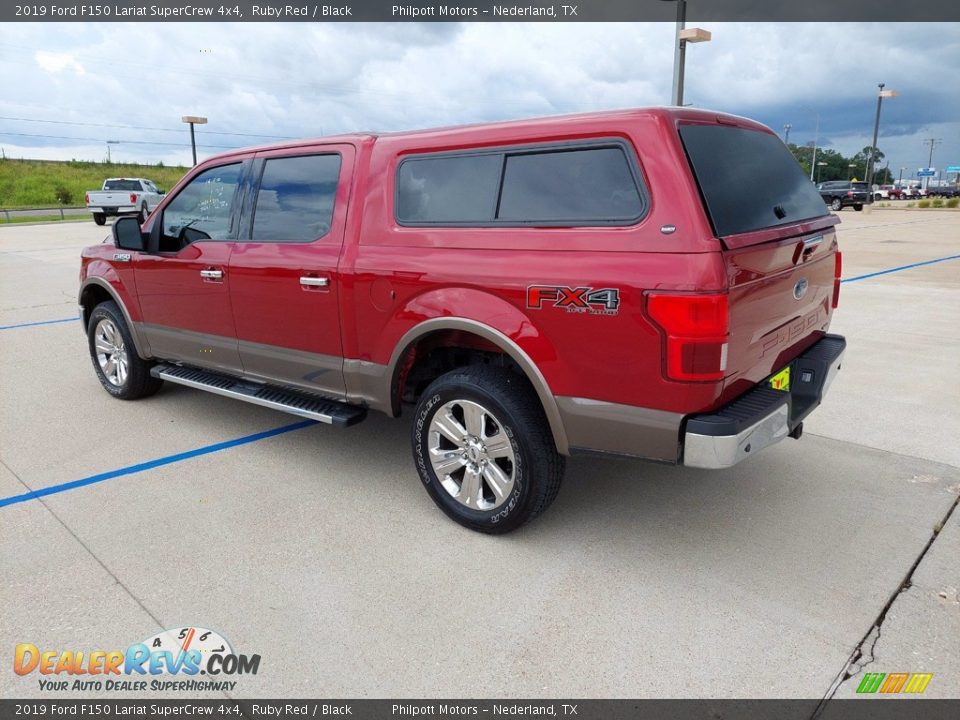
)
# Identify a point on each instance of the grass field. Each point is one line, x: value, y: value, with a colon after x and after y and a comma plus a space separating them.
x: 47, y: 183
x: 14, y: 220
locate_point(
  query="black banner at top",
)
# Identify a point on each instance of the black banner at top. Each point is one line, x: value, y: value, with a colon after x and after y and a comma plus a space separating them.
x: 472, y: 11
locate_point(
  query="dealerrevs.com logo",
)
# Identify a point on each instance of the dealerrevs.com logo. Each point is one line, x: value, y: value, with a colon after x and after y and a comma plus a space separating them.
x: 189, y: 659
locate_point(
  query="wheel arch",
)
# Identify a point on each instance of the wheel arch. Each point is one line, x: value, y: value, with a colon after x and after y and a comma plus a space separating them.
x: 96, y: 290
x: 437, y: 326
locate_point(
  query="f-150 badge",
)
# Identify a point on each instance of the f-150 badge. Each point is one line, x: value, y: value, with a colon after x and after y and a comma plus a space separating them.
x: 601, y: 301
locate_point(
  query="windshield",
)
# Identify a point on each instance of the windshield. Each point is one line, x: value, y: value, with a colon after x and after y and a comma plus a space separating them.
x: 749, y: 179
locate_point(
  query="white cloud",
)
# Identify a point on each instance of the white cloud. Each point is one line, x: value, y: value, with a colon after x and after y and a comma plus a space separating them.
x: 55, y: 63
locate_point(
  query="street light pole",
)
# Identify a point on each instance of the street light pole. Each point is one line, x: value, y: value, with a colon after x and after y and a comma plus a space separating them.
x: 876, y: 129
x: 816, y: 137
x: 679, y: 53
x: 681, y: 38
x: 193, y: 120
x: 786, y: 133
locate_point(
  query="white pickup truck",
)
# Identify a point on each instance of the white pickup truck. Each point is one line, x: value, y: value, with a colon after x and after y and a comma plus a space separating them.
x: 123, y: 196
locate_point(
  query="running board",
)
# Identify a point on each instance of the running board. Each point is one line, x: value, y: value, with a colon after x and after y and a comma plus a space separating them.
x: 278, y: 398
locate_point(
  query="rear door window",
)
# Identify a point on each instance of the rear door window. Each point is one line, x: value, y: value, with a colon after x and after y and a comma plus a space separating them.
x: 749, y: 179
x: 295, y: 199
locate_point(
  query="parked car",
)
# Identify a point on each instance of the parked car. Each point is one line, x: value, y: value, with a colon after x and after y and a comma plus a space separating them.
x: 123, y: 196
x: 943, y: 191
x: 839, y: 194
x: 887, y: 192
x: 657, y: 283
x: 911, y: 192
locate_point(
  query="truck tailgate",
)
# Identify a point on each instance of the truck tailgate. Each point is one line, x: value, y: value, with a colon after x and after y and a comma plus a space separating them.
x: 780, y: 303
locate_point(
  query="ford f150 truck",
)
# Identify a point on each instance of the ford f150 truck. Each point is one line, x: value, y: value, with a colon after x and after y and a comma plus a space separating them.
x: 123, y: 196
x: 654, y: 282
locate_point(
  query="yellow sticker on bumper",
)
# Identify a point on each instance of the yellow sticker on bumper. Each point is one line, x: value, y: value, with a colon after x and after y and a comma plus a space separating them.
x: 781, y: 381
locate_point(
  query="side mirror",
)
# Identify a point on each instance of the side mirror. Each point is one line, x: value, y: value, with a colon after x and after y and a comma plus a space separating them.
x: 161, y: 191
x: 127, y: 235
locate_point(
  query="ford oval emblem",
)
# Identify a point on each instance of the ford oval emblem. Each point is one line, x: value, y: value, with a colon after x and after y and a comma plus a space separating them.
x: 800, y: 289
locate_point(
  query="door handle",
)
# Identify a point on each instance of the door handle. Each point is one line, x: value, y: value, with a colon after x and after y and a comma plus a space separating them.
x: 314, y: 281
x: 211, y: 274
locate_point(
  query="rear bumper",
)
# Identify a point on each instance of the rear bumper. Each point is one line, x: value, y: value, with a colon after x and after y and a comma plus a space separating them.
x: 121, y: 210
x: 763, y: 416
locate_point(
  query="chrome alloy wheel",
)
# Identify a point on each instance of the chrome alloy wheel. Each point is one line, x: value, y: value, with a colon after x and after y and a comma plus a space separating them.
x: 472, y: 455
x: 111, y: 352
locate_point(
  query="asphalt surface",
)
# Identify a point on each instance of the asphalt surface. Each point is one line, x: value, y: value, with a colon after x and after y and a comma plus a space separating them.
x: 317, y: 548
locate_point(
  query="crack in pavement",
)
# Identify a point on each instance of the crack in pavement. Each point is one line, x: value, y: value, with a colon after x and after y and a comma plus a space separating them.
x: 854, y: 666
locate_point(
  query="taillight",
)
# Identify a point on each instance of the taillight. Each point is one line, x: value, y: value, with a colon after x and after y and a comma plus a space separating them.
x: 849, y: 193
x: 133, y: 198
x: 695, y: 329
x: 837, y: 268
x: 86, y: 198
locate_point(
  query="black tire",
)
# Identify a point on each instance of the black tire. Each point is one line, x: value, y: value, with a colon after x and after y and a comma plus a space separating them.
x: 877, y: 196
x: 836, y: 205
x: 514, y: 414
x: 143, y: 214
x: 136, y: 382
x: 100, y: 218
x: 858, y: 207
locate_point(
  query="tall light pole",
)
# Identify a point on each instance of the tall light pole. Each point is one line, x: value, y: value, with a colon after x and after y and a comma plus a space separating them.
x: 193, y: 120
x: 900, y: 179
x: 876, y: 129
x: 816, y: 137
x: 681, y: 38
x: 786, y: 133
x: 109, y: 143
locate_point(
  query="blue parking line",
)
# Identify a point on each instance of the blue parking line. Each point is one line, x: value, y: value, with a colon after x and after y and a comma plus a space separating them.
x: 150, y: 464
x: 40, y: 322
x: 898, y: 269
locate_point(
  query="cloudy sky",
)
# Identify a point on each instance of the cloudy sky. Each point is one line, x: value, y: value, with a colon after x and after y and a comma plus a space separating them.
x: 81, y: 84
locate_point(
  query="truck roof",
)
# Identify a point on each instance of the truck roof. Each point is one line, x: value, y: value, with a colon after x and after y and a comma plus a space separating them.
x: 550, y: 121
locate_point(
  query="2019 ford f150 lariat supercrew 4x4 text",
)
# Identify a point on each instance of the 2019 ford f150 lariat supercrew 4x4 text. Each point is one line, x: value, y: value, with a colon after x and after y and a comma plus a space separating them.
x: 530, y: 289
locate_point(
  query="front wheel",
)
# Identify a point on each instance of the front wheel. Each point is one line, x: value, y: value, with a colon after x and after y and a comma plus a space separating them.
x: 99, y: 218
x: 836, y: 204
x: 484, y: 450
x: 120, y: 370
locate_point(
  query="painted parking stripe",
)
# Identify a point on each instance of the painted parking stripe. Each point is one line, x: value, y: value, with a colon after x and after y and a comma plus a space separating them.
x: 898, y: 269
x: 40, y: 322
x: 150, y: 464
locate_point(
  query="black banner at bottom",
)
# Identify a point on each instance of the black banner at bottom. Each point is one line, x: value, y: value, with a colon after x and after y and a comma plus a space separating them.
x: 872, y: 708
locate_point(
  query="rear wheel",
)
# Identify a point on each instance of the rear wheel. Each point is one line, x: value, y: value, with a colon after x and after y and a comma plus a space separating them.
x: 143, y: 214
x: 120, y: 370
x: 836, y: 204
x: 99, y: 218
x: 484, y: 450
x: 858, y: 207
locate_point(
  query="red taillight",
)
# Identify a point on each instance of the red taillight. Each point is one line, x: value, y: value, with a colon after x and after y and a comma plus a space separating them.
x: 849, y: 193
x: 133, y: 198
x: 695, y: 329
x: 86, y: 198
x: 837, y: 269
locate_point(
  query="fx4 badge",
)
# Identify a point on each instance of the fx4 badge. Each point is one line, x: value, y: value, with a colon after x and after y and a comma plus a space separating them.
x: 603, y: 301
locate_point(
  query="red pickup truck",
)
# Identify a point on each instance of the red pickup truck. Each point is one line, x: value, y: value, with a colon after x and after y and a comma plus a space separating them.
x: 653, y: 282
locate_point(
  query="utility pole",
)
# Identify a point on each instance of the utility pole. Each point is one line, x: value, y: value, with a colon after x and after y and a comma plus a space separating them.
x: 932, y: 142
x: 786, y: 133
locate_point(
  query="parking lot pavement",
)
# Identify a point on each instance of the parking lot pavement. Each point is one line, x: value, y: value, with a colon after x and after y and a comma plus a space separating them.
x: 318, y: 550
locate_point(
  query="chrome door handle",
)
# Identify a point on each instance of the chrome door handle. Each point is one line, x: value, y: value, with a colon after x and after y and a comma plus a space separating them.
x: 314, y: 281
x: 211, y: 274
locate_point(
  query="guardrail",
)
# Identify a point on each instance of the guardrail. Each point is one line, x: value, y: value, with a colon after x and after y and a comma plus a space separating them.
x: 42, y: 211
